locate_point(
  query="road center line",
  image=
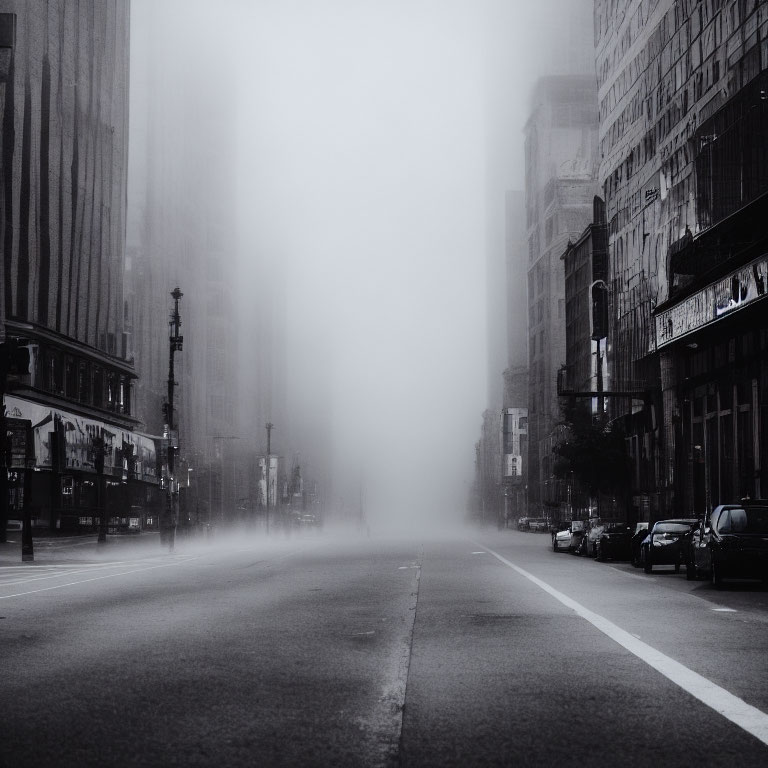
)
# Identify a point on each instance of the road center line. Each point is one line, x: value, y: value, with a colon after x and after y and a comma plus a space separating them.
x: 751, y: 719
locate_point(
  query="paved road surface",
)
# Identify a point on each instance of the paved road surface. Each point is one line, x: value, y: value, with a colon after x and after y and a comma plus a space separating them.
x: 479, y: 649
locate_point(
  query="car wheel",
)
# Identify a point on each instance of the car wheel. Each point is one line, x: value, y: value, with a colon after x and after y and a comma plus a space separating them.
x: 648, y: 565
x: 717, y: 578
x: 599, y: 555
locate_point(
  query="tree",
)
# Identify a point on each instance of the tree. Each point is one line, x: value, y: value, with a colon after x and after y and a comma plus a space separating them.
x: 593, y: 450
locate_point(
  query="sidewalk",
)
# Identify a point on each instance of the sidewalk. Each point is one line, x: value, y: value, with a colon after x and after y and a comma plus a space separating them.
x: 68, y: 549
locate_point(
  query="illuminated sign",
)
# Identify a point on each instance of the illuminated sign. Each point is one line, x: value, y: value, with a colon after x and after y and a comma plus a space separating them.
x: 731, y: 293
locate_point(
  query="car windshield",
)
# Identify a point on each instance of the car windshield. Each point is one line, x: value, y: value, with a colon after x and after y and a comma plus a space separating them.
x: 748, y: 520
x: 671, y: 528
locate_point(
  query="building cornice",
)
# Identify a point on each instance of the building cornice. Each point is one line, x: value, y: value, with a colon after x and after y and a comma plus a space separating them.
x: 38, y: 333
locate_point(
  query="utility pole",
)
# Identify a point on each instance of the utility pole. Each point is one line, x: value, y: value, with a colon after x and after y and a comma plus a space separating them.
x: 168, y: 529
x: 270, y: 426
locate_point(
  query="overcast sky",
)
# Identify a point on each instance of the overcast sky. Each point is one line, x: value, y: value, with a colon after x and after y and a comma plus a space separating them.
x: 372, y: 136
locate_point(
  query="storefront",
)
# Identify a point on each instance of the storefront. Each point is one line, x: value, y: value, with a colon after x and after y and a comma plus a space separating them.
x: 55, y: 472
x: 713, y: 345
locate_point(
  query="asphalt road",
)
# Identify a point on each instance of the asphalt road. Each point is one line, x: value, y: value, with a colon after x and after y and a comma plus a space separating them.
x: 482, y: 649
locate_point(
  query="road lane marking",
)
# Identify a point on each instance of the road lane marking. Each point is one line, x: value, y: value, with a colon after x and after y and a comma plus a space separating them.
x: 725, y: 610
x: 479, y: 553
x: 747, y: 717
x: 58, y: 574
x: 95, y: 578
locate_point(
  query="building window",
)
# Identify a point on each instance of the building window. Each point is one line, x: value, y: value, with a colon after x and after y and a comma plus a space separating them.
x: 97, y: 387
x: 70, y: 378
x: 112, y: 393
x: 83, y: 381
x: 125, y: 395
x: 54, y: 373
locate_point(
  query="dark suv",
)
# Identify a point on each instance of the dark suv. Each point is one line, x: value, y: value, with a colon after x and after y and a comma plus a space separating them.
x: 737, y: 541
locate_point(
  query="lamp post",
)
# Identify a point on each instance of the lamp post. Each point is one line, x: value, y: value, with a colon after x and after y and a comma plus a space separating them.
x: 176, y: 342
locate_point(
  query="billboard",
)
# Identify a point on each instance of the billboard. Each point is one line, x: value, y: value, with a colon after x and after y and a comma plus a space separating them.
x: 68, y: 441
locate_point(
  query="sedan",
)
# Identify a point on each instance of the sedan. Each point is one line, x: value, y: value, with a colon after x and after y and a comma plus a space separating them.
x: 589, y: 541
x: 664, y: 544
x: 738, y: 541
x: 570, y: 538
x: 636, y: 543
x: 538, y: 524
x: 613, y: 543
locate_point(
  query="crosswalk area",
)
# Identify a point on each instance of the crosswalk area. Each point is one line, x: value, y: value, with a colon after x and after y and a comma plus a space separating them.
x: 32, y: 578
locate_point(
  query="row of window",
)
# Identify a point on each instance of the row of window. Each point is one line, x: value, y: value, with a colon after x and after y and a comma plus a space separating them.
x: 82, y: 381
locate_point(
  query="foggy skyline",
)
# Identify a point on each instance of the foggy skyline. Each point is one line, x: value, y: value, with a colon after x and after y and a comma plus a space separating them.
x: 374, y: 145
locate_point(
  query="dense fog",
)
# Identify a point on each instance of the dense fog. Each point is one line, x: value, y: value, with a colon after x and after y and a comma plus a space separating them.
x: 365, y: 149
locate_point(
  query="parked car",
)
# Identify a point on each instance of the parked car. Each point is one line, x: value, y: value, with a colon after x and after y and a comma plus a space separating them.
x: 614, y: 542
x: 594, y: 533
x: 666, y: 543
x: 698, y: 559
x: 522, y: 523
x: 586, y: 546
x: 538, y: 524
x: 636, y: 542
x: 734, y: 544
x: 555, y: 528
x: 569, y: 539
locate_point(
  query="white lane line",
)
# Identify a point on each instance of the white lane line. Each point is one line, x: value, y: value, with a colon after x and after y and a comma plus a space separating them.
x: 751, y: 719
x: 479, y: 553
x: 96, y: 578
x: 724, y: 610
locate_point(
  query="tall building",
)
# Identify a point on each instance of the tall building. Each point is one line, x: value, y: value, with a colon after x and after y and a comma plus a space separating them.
x: 182, y: 232
x: 560, y: 146
x: 64, y: 117
x: 682, y: 99
x: 515, y: 377
x: 586, y: 308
